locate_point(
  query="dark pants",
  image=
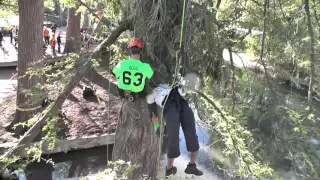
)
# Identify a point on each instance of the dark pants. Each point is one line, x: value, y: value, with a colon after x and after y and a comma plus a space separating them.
x: 46, y: 39
x: 59, y: 50
x: 15, y: 41
x: 11, y: 38
x: 174, y: 116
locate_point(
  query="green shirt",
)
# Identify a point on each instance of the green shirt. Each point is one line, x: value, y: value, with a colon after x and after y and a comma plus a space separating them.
x: 131, y: 74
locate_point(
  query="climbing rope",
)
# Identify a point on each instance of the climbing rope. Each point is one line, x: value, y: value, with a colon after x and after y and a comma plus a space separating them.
x: 177, y: 75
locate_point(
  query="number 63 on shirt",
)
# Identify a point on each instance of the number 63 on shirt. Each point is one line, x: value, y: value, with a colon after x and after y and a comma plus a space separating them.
x: 131, y: 74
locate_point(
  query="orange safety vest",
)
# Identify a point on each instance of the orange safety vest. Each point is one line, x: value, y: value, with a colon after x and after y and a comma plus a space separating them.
x: 46, y: 32
x: 53, y: 42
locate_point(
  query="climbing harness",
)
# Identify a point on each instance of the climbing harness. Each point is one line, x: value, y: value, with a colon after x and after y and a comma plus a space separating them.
x: 129, y: 95
x: 177, y: 76
x: 126, y: 94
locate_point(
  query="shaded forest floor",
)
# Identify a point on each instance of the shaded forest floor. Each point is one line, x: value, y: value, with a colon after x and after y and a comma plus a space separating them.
x: 82, y: 117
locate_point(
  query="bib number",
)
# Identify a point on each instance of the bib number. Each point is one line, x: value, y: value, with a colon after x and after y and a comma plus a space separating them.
x: 127, y: 80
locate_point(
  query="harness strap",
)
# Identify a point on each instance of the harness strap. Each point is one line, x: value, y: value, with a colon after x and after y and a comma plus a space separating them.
x: 177, y: 73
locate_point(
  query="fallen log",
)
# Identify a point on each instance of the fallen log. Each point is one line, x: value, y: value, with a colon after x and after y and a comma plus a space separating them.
x: 65, y: 145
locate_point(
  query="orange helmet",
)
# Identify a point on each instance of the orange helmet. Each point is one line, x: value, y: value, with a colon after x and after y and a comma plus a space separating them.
x: 136, y: 42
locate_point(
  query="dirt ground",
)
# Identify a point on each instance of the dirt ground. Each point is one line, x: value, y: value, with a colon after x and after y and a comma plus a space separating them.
x: 83, y: 116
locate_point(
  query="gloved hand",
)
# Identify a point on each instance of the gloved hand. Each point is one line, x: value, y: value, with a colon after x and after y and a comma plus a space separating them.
x: 164, y: 131
x: 155, y: 123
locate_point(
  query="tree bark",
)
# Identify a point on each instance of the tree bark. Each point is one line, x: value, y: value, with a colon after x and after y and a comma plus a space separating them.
x: 73, y: 32
x: 233, y: 79
x: 31, y: 14
x: 136, y: 140
x: 85, y: 23
x: 312, y: 51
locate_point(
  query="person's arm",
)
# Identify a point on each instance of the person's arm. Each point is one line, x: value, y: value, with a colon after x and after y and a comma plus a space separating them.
x: 152, y: 105
x: 116, y: 70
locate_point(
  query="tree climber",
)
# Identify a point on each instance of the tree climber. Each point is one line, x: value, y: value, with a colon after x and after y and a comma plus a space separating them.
x: 132, y: 73
x: 176, y: 111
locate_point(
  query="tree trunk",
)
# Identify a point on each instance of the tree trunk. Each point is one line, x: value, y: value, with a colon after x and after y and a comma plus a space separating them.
x: 233, y: 79
x: 265, y: 11
x: 57, y: 8
x: 84, y: 69
x: 135, y: 137
x: 31, y: 14
x: 73, y: 32
x: 136, y: 140
x: 85, y: 23
x: 312, y: 51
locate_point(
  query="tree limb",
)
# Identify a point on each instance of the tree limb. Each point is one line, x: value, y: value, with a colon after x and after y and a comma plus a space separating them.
x: 195, y: 4
x: 89, y: 9
x: 233, y: 79
x: 312, y: 51
x: 226, y: 120
x: 266, y: 2
x: 85, y: 67
x: 257, y: 3
x: 106, y: 83
x: 8, y: 5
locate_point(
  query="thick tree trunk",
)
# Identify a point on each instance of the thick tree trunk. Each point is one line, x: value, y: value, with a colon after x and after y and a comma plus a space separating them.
x: 136, y: 140
x: 84, y: 69
x: 85, y: 23
x: 135, y: 137
x: 31, y: 14
x: 312, y: 51
x: 57, y: 8
x: 73, y: 32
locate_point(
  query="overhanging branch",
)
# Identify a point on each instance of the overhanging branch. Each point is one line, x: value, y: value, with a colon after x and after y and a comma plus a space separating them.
x: 195, y: 4
x: 226, y: 120
x: 8, y: 5
x: 81, y: 72
x: 89, y: 9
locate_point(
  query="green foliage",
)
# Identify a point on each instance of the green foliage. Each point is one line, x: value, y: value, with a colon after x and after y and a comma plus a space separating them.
x: 117, y: 170
x: 267, y: 133
x: 49, y: 4
x: 8, y: 7
x: 117, y: 52
x: 262, y: 136
x: 235, y: 137
x: 57, y: 76
x: 68, y: 3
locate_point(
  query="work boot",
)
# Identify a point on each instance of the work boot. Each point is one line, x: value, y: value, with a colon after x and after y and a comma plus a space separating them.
x: 171, y: 171
x: 192, y: 169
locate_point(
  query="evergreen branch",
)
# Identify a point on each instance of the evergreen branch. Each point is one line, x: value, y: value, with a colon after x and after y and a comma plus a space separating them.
x: 226, y: 120
x: 81, y: 72
x: 266, y: 2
